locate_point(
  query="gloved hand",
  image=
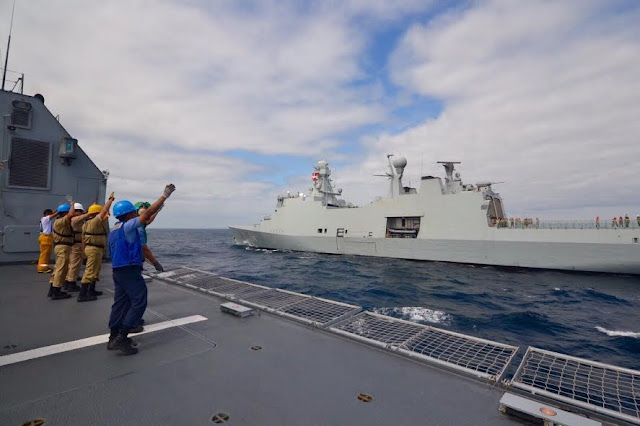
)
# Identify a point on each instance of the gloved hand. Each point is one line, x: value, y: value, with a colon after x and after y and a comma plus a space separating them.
x: 158, y: 266
x: 168, y: 190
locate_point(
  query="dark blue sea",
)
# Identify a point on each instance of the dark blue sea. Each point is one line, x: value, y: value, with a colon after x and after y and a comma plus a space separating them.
x: 595, y: 316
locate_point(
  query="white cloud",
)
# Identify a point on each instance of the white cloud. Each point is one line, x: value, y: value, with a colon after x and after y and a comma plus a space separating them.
x: 542, y: 95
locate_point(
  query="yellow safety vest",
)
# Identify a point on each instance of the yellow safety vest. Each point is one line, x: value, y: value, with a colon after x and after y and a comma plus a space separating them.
x: 94, y: 232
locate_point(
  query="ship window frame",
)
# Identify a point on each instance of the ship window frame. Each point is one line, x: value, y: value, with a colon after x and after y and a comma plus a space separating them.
x: 7, y: 179
x: 325, y: 230
x: 319, y: 230
x: 635, y: 240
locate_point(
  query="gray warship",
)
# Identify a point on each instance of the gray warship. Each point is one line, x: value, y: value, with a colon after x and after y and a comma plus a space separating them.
x: 223, y: 351
x: 446, y: 221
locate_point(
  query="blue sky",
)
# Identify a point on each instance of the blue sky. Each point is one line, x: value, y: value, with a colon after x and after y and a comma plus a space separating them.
x: 235, y: 101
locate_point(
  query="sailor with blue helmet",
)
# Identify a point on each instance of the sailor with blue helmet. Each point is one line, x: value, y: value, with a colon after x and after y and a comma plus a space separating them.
x: 125, y: 247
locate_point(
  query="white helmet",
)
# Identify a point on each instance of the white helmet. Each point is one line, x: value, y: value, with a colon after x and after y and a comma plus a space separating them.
x: 78, y: 206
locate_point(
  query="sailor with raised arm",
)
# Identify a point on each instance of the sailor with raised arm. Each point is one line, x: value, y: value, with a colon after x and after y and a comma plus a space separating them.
x: 130, y: 297
x: 94, y: 240
x: 62, y: 241
x: 46, y: 241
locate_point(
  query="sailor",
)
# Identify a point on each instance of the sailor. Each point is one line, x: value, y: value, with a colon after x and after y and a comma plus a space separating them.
x: 638, y: 219
x: 62, y: 242
x: 627, y: 221
x: 597, y: 222
x: 75, y: 258
x: 537, y: 223
x: 130, y: 297
x: 142, y: 206
x: 46, y: 241
x: 94, y: 240
x: 614, y: 222
x: 620, y: 222
x: 511, y: 223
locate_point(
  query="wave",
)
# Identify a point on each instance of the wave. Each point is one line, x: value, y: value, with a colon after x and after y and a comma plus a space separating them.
x: 527, y: 321
x: 415, y: 314
x: 618, y: 333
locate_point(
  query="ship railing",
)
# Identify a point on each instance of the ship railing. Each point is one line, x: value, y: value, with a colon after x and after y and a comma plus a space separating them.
x: 571, y: 224
x: 13, y: 79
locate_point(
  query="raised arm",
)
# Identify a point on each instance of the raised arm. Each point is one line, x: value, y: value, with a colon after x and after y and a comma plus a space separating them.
x: 146, y: 216
x: 107, y: 206
x: 72, y: 205
x: 54, y: 214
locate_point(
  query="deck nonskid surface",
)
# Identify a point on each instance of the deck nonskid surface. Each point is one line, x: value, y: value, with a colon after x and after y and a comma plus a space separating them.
x: 187, y: 374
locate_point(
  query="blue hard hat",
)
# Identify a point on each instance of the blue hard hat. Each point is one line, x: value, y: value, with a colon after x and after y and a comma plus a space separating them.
x: 123, y: 207
x: 64, y: 208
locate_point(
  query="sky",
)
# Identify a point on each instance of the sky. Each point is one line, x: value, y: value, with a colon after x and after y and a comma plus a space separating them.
x: 235, y: 101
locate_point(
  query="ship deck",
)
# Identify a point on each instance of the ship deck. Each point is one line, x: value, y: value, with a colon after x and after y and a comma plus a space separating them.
x: 198, y: 365
x: 188, y: 374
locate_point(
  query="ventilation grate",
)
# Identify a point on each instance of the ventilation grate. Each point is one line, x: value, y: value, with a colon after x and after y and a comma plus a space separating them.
x: 29, y: 163
x: 21, y: 117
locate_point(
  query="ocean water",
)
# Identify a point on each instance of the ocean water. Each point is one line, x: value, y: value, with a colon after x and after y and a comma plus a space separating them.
x: 595, y: 316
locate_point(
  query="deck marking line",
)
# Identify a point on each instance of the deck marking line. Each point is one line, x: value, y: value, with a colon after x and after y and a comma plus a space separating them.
x: 91, y: 341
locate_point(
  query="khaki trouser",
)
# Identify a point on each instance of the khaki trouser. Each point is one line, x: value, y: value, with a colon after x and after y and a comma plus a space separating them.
x: 62, y: 253
x: 46, y: 246
x: 75, y: 261
x: 94, y: 262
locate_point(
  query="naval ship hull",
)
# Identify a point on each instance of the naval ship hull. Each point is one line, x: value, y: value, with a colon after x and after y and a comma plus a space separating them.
x: 590, y: 257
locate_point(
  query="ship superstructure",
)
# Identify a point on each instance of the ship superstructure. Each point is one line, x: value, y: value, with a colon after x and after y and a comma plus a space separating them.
x: 444, y: 220
x: 40, y: 163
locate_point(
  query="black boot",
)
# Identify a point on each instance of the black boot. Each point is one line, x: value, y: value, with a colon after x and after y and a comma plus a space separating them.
x: 112, y: 337
x: 93, y: 291
x: 59, y: 294
x: 71, y: 286
x: 121, y: 342
x: 50, y: 290
x: 84, y: 295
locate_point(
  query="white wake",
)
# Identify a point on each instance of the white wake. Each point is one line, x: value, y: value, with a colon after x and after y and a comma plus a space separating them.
x: 618, y: 333
x: 415, y: 314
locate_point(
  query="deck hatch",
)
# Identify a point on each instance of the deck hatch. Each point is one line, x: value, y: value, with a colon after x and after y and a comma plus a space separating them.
x: 604, y: 388
x: 478, y: 357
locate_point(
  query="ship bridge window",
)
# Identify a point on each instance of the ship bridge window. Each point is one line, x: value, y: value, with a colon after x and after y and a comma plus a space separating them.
x: 29, y: 164
x: 21, y: 114
x: 319, y: 230
x: 403, y: 227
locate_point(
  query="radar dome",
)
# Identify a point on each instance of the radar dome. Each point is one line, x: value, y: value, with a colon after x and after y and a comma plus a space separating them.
x: 400, y: 162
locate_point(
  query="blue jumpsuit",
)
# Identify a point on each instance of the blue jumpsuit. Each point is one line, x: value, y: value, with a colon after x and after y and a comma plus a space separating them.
x: 130, y: 298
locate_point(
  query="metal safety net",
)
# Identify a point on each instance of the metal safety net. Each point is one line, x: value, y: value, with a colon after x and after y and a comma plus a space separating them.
x: 595, y: 386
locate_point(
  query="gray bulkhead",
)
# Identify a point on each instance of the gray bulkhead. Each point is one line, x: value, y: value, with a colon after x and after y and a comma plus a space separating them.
x: 40, y: 164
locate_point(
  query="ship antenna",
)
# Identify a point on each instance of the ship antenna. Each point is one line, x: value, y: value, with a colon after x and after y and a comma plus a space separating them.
x: 6, y: 57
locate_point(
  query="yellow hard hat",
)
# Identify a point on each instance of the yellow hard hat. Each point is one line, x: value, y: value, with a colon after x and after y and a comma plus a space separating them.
x: 95, y: 208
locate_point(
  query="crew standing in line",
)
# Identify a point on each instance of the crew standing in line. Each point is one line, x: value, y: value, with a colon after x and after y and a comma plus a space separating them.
x: 62, y: 242
x: 46, y: 241
x: 75, y: 258
x: 130, y: 297
x: 638, y: 219
x: 94, y: 240
x: 627, y: 221
x: 142, y: 206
